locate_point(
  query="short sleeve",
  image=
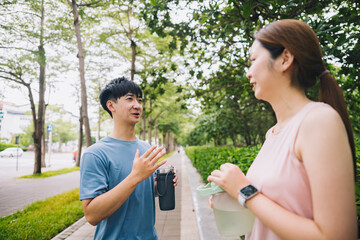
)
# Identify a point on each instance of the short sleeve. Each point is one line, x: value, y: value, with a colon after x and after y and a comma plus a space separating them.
x: 93, y: 176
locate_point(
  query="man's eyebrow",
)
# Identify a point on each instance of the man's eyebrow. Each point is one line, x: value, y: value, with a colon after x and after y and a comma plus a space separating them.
x: 130, y: 94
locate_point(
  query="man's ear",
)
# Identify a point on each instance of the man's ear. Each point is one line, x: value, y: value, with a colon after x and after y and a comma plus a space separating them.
x: 287, y: 60
x: 110, y: 105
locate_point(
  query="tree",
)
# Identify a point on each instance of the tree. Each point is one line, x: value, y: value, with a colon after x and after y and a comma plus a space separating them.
x: 216, y: 38
x: 19, y: 70
x: 84, y: 108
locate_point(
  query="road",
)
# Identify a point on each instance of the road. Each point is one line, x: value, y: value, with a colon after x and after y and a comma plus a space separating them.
x: 25, y: 164
x: 17, y: 193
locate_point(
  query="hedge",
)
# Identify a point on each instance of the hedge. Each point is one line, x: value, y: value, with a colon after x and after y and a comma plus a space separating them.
x: 207, y: 159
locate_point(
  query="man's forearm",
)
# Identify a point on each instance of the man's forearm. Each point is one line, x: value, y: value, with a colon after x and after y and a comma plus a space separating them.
x: 103, y: 206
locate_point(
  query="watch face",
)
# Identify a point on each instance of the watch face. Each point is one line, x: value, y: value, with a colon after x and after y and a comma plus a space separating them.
x: 248, y: 190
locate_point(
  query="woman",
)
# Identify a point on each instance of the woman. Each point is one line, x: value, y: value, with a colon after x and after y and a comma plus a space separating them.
x: 301, y: 184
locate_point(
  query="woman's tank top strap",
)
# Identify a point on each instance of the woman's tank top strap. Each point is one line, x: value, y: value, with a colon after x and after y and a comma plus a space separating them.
x: 295, y: 123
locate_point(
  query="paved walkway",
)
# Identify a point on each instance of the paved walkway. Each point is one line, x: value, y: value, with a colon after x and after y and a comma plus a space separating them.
x: 192, y: 218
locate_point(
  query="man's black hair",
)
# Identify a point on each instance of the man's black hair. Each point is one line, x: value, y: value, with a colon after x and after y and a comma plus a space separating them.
x: 117, y: 88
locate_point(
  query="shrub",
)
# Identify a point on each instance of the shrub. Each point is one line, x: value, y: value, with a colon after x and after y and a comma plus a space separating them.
x: 207, y: 159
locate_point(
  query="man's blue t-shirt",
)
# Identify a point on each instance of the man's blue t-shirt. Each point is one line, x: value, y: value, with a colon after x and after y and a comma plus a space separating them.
x: 103, y: 166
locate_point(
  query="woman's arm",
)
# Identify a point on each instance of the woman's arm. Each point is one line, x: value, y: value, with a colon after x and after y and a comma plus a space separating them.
x: 323, y: 147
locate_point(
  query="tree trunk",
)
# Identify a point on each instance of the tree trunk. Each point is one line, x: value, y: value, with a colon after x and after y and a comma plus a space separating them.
x: 99, y: 118
x: 99, y: 124
x: 39, y: 123
x: 80, y: 140
x: 150, y: 124
x: 144, y: 127
x: 43, y: 150
x: 81, y: 57
x: 144, y: 120
x: 133, y: 57
x: 156, y: 134
x: 168, y: 140
x: 233, y: 136
x: 164, y: 140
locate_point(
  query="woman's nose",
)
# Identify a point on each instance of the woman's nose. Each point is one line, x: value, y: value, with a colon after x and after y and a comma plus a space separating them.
x: 248, y: 73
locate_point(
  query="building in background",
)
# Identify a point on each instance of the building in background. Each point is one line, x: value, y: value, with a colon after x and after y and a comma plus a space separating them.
x: 13, y: 120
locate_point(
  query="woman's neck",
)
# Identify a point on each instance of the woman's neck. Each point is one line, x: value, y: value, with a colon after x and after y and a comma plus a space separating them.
x: 288, y: 104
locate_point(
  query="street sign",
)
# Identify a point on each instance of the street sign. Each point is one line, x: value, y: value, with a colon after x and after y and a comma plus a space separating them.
x: 50, y: 128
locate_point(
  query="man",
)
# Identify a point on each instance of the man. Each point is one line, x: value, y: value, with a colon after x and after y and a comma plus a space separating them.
x: 117, y: 186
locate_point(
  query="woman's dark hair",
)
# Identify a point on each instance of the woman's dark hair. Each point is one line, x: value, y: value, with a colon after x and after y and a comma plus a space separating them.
x: 117, y: 88
x: 308, y: 66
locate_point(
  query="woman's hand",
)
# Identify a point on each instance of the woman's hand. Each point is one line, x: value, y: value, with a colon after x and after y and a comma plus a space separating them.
x: 230, y: 178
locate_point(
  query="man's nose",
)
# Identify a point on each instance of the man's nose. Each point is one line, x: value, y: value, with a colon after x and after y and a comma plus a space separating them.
x: 137, y: 104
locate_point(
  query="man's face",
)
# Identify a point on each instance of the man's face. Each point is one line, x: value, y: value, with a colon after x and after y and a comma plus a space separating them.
x: 127, y: 108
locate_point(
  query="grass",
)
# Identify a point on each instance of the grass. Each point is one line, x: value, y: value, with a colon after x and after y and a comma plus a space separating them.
x: 43, y: 219
x: 165, y: 156
x: 51, y: 173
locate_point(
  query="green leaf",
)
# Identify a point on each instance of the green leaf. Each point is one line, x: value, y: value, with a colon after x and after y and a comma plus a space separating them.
x: 247, y: 9
x: 153, y: 2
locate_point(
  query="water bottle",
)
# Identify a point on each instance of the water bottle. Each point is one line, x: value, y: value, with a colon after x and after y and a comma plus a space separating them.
x: 165, y: 188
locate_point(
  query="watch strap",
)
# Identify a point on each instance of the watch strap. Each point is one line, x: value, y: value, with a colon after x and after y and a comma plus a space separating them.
x: 242, y: 198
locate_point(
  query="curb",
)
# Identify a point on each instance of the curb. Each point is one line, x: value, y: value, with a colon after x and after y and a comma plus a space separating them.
x: 70, y: 230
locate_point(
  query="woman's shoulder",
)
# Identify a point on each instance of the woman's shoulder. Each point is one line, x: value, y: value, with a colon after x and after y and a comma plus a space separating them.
x: 322, y: 122
x: 321, y: 115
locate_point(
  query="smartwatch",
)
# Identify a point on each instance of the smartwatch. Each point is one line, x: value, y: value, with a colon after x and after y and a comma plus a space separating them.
x: 246, y: 193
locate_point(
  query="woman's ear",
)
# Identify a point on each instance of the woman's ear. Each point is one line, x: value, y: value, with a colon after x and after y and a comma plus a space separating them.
x: 287, y: 60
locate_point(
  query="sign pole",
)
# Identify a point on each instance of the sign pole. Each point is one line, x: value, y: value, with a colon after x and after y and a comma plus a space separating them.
x: 49, y: 150
x: 17, y: 152
x: 50, y: 129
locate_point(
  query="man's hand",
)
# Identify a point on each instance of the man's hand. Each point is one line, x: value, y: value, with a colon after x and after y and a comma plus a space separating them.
x: 146, y: 165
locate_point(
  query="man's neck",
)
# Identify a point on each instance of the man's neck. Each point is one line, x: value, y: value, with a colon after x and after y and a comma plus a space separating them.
x: 123, y: 133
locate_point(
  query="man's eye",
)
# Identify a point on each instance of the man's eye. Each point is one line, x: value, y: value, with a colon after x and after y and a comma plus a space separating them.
x: 140, y: 100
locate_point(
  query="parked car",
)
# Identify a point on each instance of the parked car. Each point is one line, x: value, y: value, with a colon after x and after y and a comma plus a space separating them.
x: 11, y: 152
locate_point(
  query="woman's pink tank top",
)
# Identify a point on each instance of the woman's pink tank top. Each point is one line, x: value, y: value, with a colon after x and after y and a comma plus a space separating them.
x: 278, y: 174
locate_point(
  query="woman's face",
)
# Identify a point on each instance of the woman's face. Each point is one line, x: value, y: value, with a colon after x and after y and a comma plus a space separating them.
x: 262, y: 72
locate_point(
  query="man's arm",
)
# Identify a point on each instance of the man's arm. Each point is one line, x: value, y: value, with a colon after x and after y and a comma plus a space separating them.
x: 103, y: 206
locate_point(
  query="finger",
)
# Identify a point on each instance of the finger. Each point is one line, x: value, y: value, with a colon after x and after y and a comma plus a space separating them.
x: 224, y: 166
x: 155, y: 153
x: 156, y: 166
x: 147, y: 153
x: 210, y: 201
x: 157, y: 157
x: 137, y: 154
x: 216, y: 173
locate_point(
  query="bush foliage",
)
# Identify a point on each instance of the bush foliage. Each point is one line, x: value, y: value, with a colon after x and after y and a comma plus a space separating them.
x: 207, y: 159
